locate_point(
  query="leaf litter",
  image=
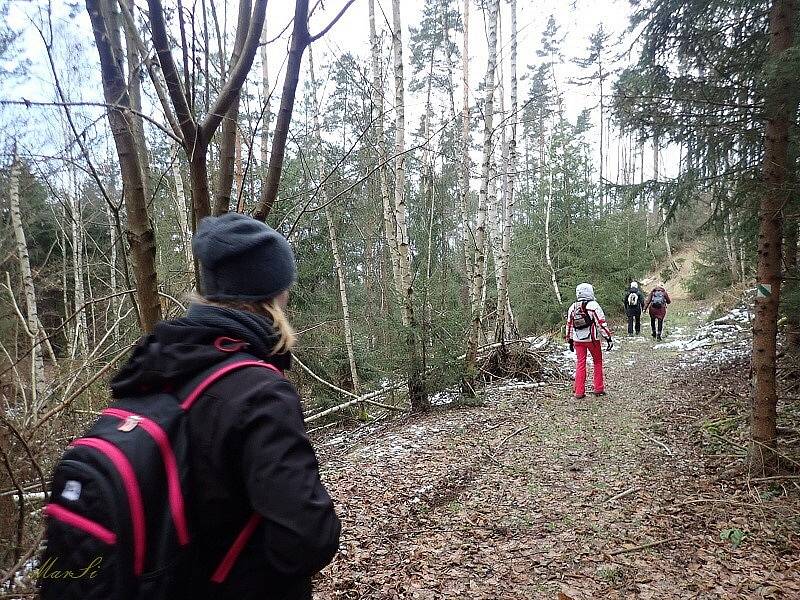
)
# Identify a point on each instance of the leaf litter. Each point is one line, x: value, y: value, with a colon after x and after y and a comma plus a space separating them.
x: 537, y: 495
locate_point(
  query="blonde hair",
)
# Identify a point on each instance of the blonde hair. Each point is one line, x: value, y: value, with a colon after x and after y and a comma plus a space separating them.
x: 265, y: 308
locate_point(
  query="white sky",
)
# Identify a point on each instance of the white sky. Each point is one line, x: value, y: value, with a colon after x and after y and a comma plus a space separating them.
x: 578, y: 19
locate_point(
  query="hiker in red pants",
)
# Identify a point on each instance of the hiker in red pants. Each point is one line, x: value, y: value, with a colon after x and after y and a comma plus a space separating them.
x: 586, y: 323
x: 656, y: 305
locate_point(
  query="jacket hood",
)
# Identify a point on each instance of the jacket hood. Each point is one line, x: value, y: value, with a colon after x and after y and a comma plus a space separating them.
x: 584, y: 292
x: 175, y: 351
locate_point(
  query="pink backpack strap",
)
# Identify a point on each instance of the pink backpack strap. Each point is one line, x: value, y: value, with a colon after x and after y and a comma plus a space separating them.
x: 224, y: 567
x: 219, y: 374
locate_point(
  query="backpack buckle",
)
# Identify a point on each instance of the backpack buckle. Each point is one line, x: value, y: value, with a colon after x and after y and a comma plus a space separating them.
x: 227, y: 344
x: 130, y: 423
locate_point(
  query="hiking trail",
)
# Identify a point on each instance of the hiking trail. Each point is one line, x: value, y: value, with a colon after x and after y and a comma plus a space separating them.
x: 538, y: 495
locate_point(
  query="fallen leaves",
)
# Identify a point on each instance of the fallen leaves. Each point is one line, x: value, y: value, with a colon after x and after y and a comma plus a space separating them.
x: 529, y: 497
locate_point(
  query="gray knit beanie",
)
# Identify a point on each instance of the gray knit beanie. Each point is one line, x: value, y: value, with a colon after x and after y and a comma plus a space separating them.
x: 242, y: 258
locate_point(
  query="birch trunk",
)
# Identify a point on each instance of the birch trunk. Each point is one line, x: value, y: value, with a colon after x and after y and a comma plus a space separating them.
x: 656, y: 148
x: 337, y: 259
x: 112, y: 270
x: 466, y: 230
x: 547, y: 255
x: 79, y: 345
x: 505, y: 319
x: 602, y: 158
x: 479, y: 265
x: 380, y: 143
x: 32, y: 318
x: 416, y: 375
x: 182, y: 211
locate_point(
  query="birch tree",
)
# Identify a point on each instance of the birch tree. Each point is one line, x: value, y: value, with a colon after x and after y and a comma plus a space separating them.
x: 390, y: 229
x: 466, y: 163
x: 31, y: 322
x: 416, y: 375
x: 479, y: 252
x: 337, y: 258
x: 505, y: 317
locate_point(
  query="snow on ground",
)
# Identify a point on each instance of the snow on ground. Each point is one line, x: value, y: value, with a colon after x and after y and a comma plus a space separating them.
x: 723, y: 339
x: 21, y: 576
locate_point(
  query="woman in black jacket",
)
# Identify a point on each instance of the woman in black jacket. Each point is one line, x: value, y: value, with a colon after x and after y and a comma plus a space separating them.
x: 249, y: 449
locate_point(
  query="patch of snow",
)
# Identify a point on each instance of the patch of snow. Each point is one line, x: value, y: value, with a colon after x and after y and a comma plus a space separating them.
x: 444, y: 397
x: 19, y: 577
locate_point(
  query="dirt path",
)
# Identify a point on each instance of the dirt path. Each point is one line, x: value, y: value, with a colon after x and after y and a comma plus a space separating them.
x: 537, y: 495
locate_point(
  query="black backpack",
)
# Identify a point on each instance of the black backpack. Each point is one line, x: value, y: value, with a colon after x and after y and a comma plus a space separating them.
x: 633, y: 298
x: 581, y: 319
x: 117, y: 525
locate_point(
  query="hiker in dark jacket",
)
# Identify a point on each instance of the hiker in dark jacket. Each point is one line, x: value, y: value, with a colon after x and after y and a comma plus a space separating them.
x: 633, y: 302
x: 249, y: 448
x: 656, y: 304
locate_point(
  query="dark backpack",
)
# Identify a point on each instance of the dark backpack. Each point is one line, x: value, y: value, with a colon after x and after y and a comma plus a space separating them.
x: 581, y: 319
x: 117, y: 514
x: 659, y: 299
x: 633, y: 299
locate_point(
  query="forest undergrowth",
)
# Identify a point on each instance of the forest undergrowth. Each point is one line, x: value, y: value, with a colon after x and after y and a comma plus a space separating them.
x: 538, y: 495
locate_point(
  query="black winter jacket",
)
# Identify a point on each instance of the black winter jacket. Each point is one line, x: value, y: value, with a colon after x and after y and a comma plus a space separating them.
x: 249, y: 451
x: 633, y: 310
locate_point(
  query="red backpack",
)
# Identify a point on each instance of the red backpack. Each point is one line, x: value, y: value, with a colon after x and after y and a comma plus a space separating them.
x: 116, y: 519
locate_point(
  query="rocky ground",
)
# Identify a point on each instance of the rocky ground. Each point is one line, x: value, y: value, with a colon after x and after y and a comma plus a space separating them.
x: 538, y: 495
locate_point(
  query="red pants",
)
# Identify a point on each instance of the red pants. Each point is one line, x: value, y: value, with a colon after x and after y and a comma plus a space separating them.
x: 580, y: 373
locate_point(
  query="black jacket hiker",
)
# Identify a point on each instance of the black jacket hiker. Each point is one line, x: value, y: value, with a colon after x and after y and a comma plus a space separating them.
x: 633, y: 311
x: 249, y: 451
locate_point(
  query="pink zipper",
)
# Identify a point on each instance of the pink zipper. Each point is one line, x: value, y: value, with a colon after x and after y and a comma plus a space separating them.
x: 236, y: 548
x: 174, y: 493
x: 132, y: 490
x: 70, y: 518
x: 204, y: 385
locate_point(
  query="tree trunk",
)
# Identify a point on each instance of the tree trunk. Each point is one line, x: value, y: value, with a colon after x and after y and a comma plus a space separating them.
x: 730, y: 247
x: 478, y: 279
x: 337, y: 259
x: 114, y: 302
x: 300, y: 41
x: 380, y: 144
x: 32, y: 321
x: 228, y: 143
x: 505, y: 315
x: 134, y: 61
x: 602, y: 112
x: 547, y: 255
x: 79, y: 346
x: 416, y: 375
x: 466, y: 229
x: 763, y: 456
x: 656, y: 149
x: 140, y: 232
x: 792, y: 273
x: 266, y: 91
x: 181, y: 210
